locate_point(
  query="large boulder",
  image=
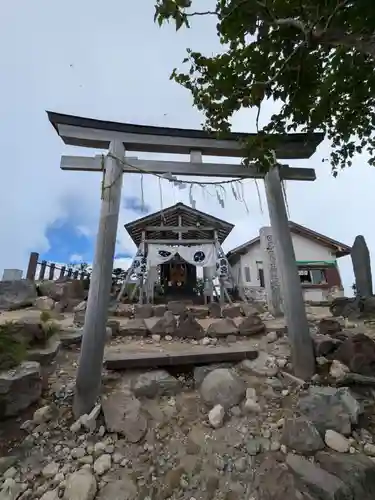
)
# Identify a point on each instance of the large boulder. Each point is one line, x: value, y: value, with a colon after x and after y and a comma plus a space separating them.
x: 328, y: 326
x: 155, y: 383
x: 324, y: 344
x: 17, y: 294
x: 223, y: 387
x: 273, y: 481
x: 231, y: 311
x: 63, y: 289
x: 329, y: 408
x: 47, y: 353
x: 44, y: 303
x: 162, y: 326
x: 199, y: 312
x: 189, y: 328
x: 345, y: 306
x: 222, y: 327
x: 123, y: 415
x: 251, y: 325
x: 322, y: 484
x: 19, y: 388
x: 214, y: 310
x: 356, y: 471
x: 143, y: 311
x: 134, y: 327
x: 31, y: 331
x: 301, y: 435
x: 358, y: 353
x: 176, y: 307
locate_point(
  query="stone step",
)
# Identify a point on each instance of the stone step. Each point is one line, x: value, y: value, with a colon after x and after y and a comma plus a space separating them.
x: 119, y: 358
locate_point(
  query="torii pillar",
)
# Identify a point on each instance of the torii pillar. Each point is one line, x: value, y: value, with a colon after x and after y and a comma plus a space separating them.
x: 89, y: 374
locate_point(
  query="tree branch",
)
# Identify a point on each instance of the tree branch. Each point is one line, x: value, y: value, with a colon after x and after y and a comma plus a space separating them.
x: 204, y: 13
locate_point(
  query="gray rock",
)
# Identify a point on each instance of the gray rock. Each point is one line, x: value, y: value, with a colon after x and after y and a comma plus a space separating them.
x: 214, y: 310
x: 224, y: 387
x: 356, y: 471
x: 301, y: 435
x: 114, y: 325
x: 253, y: 446
x: 264, y: 365
x: 231, y: 311
x: 321, y: 483
x: 176, y: 307
x: 47, y: 353
x: 200, y: 372
x: 143, y: 311
x: 251, y: 325
x: 19, y: 388
x: 80, y: 485
x: 162, y: 326
x: 324, y: 344
x: 155, y: 383
x: 189, y: 328
x: 123, y: 414
x: 44, y: 303
x: 273, y: 481
x: 10, y: 490
x: 7, y: 462
x: 71, y: 336
x: 79, y: 318
x: 123, y: 310
x: 102, y: 464
x: 159, y: 310
x: 134, y: 327
x: 62, y: 290
x: 251, y: 309
x: 17, y: 294
x: 199, y: 312
x: 330, y: 408
x: 221, y: 328
x: 119, y: 489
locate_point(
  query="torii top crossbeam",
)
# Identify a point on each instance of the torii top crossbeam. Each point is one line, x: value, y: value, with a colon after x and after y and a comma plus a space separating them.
x: 97, y: 134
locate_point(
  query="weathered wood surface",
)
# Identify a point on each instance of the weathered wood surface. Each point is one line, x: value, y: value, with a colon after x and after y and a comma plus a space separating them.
x: 303, y: 357
x: 88, y: 382
x: 120, y: 358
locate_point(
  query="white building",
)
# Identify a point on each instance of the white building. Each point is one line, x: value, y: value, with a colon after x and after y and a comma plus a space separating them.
x: 316, y: 257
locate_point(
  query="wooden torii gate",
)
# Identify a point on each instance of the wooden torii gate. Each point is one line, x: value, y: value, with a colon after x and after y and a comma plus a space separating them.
x: 118, y: 137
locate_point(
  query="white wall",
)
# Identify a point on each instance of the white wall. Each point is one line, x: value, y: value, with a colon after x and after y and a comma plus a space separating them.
x: 305, y: 249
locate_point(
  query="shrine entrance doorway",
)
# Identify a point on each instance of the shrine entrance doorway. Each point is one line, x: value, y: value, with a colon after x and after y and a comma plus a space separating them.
x: 179, y: 278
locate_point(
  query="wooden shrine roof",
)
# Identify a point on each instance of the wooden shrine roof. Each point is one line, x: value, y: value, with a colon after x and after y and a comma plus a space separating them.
x: 93, y: 133
x: 170, y: 216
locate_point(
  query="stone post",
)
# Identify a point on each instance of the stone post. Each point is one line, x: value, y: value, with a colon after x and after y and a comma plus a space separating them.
x: 271, y: 275
x: 362, y: 267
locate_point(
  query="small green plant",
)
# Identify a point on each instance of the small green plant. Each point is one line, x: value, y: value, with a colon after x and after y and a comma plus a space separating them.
x: 12, y: 349
x: 49, y: 328
x: 45, y: 316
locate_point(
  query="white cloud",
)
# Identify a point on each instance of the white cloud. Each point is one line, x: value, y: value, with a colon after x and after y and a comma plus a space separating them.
x: 51, y: 60
x: 76, y: 258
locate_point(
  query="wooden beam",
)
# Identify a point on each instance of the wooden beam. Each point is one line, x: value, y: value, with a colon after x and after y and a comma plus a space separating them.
x: 179, y: 242
x: 86, y: 132
x: 90, y: 164
x: 89, y: 374
x: 120, y: 358
x: 179, y: 229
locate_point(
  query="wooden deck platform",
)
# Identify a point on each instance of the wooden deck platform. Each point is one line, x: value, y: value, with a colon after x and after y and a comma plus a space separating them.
x: 121, y: 358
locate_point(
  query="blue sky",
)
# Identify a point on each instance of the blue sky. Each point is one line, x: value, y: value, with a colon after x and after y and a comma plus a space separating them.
x: 109, y: 60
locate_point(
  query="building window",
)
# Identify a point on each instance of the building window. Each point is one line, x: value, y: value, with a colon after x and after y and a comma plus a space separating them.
x: 247, y: 274
x: 312, y: 276
x: 260, y: 272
